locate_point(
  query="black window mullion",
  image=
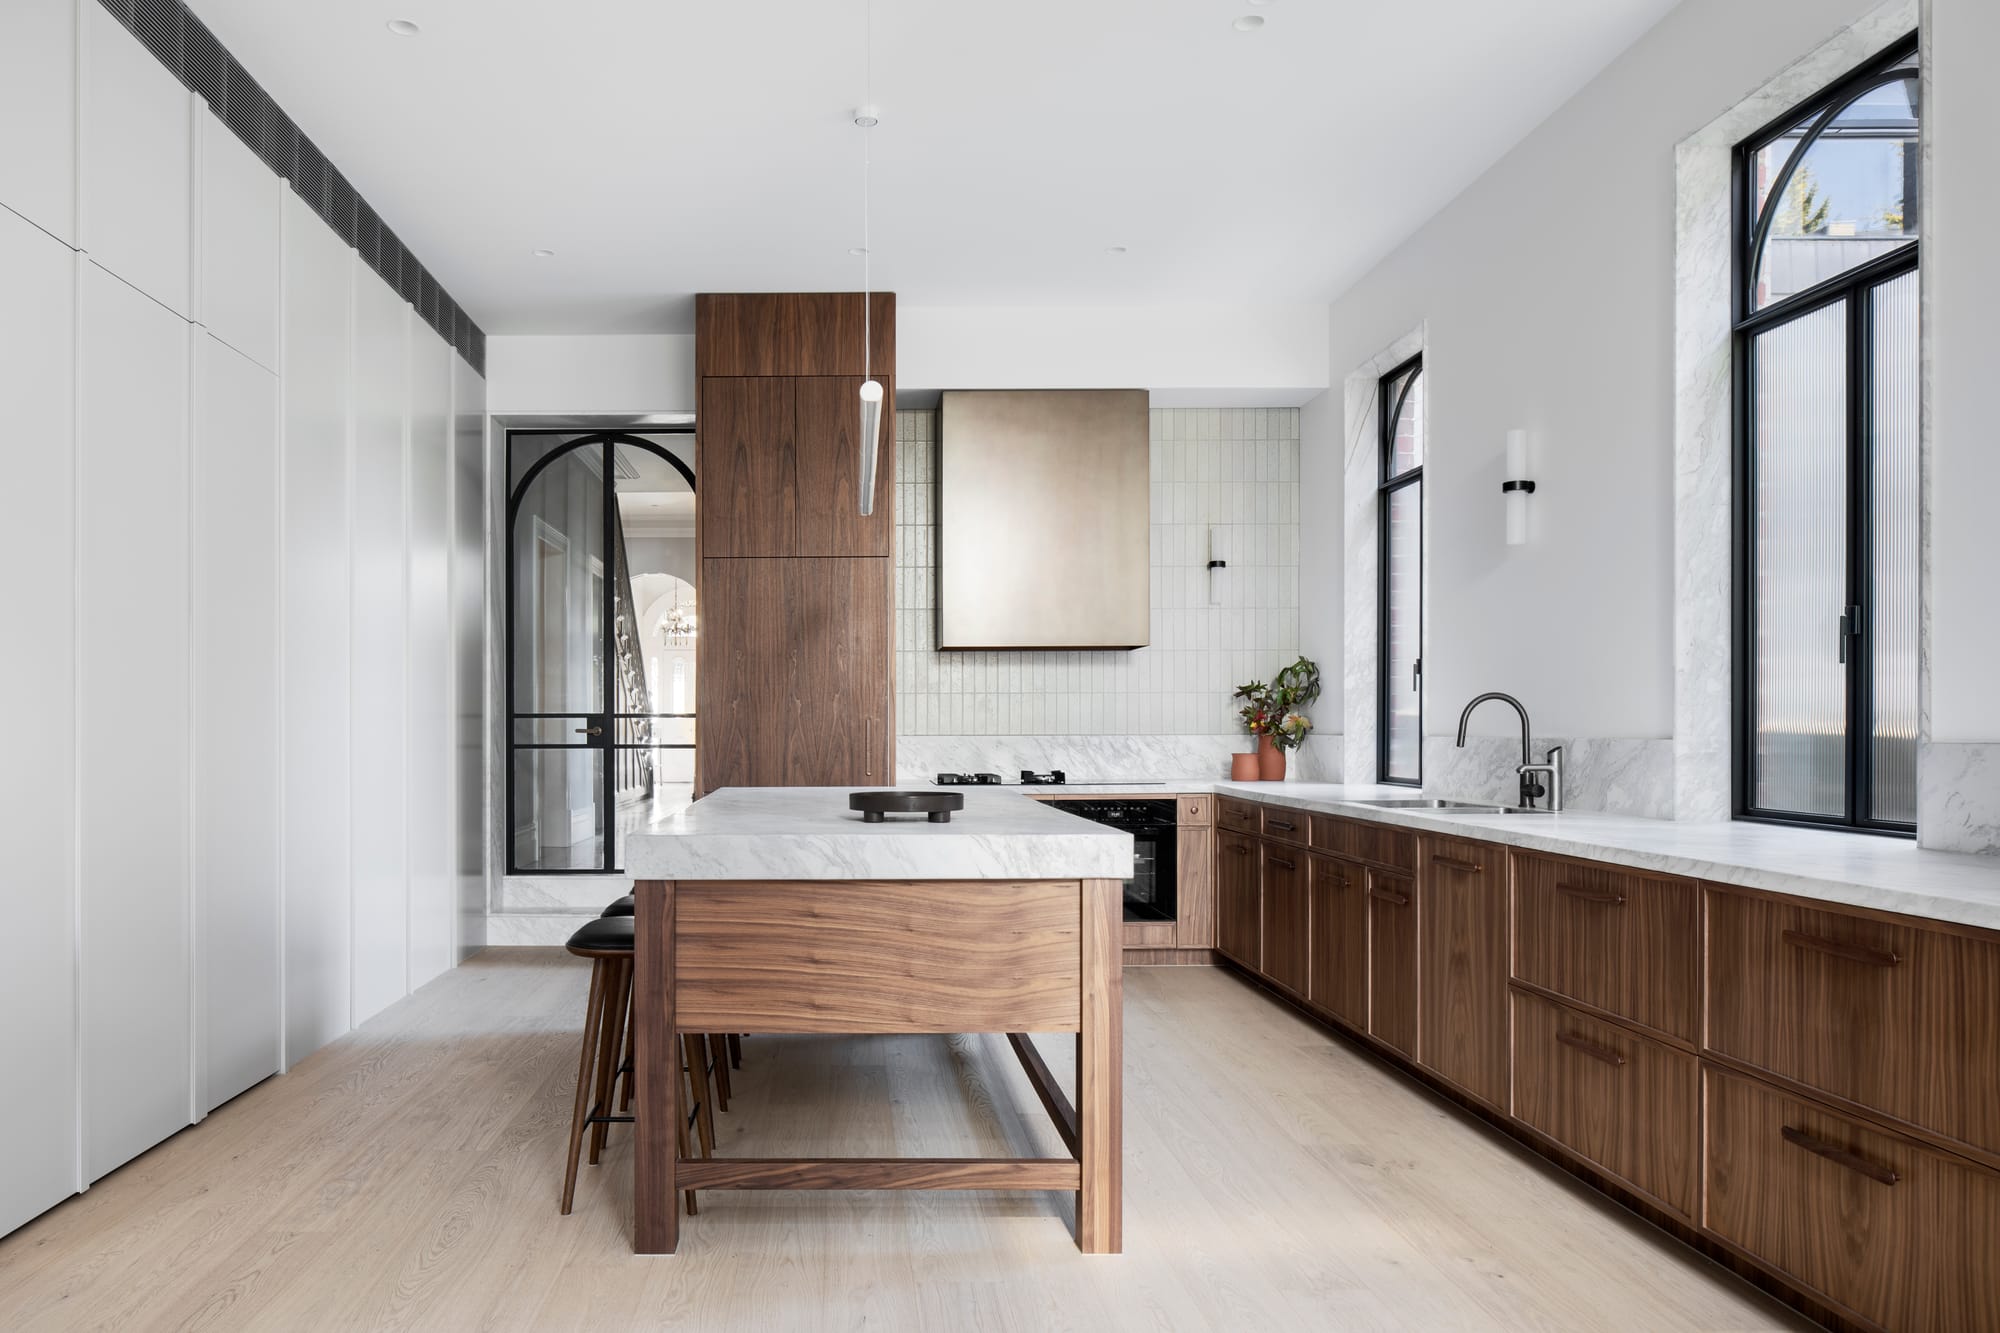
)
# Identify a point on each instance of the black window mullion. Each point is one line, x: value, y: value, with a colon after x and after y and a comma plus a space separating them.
x: 1860, y: 709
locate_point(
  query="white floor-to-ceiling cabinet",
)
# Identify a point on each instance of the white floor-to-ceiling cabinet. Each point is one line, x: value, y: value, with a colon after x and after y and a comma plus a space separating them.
x: 38, y: 1037
x: 237, y: 769
x: 243, y: 786
x: 318, y: 907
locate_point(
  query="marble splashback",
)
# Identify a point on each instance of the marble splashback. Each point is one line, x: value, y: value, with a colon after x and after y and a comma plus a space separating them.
x: 1958, y: 797
x: 1234, y: 471
x: 1101, y: 758
x: 1615, y: 776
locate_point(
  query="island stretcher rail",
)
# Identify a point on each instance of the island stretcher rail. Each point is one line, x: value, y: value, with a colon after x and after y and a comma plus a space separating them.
x: 876, y: 956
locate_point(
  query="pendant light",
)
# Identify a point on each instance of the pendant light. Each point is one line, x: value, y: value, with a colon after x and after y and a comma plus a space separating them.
x: 867, y: 118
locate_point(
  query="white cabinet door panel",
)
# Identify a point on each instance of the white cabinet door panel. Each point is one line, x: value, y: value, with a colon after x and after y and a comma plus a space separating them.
x: 379, y: 812
x: 38, y: 112
x: 133, y: 476
x: 38, y: 1107
x: 469, y: 660
x: 432, y: 892
x: 318, y: 966
x: 236, y: 804
x: 240, y: 202
x: 136, y: 163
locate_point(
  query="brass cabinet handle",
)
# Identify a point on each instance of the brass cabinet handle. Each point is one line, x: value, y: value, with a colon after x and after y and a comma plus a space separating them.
x: 1590, y: 1048
x: 1590, y: 895
x: 1285, y: 824
x: 1453, y: 863
x: 1390, y: 896
x: 1840, y: 1156
x: 1281, y: 861
x: 1238, y: 849
x: 1853, y: 953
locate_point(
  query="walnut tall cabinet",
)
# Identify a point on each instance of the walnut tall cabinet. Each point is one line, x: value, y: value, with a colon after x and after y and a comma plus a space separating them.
x: 797, y: 598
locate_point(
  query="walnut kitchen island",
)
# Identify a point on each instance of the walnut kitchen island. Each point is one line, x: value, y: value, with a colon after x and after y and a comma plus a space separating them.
x: 777, y: 910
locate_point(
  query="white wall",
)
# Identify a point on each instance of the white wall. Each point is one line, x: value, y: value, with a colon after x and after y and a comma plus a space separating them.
x: 1547, y: 289
x: 178, y: 349
x: 1188, y: 356
x: 608, y: 373
x: 1961, y: 274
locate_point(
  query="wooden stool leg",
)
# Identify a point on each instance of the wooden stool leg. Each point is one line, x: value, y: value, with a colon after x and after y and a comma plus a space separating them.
x: 617, y: 997
x: 681, y: 1147
x: 630, y: 1068
x: 590, y: 1019
x: 718, y: 1061
x: 698, y: 1075
x: 736, y: 1050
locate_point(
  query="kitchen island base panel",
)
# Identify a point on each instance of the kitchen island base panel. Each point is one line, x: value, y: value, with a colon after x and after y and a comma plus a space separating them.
x: 883, y: 957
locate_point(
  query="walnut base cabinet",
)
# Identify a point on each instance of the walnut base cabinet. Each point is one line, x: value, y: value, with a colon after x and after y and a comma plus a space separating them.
x: 1893, y: 1234
x: 1239, y: 924
x: 1809, y: 1092
x: 1392, y: 960
x: 1620, y: 1101
x: 1462, y: 966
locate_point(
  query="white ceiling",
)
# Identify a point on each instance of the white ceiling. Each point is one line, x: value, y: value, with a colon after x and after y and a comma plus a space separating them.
x: 663, y: 147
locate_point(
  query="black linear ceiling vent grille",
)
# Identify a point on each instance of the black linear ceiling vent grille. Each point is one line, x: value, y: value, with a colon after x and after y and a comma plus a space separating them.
x: 195, y: 56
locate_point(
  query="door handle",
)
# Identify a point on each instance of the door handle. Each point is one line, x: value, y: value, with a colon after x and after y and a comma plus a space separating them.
x: 590, y: 731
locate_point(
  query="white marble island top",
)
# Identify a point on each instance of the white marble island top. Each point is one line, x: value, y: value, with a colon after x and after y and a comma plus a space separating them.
x: 808, y: 833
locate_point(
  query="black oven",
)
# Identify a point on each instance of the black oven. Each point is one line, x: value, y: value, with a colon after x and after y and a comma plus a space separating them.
x: 1155, y: 830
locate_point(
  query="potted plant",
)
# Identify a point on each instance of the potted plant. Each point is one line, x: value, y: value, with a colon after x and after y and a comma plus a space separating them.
x: 1275, y: 714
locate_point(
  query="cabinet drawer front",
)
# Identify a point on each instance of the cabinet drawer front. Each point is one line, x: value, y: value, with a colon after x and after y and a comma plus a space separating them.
x: 1376, y: 843
x: 1197, y: 810
x: 1392, y: 960
x: 1286, y: 918
x: 1237, y: 816
x: 1895, y: 1018
x: 1284, y: 825
x: 1613, y: 1098
x: 1622, y: 942
x: 1891, y: 1231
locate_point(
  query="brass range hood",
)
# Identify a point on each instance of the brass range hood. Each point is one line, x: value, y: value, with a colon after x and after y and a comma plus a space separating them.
x: 1044, y: 519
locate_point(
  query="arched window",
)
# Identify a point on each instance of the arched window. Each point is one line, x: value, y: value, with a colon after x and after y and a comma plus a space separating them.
x: 1826, y: 446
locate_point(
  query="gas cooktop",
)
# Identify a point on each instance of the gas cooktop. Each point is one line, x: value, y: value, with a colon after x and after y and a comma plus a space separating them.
x: 1055, y: 777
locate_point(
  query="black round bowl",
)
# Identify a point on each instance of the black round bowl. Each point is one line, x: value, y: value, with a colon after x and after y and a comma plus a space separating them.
x: 875, y: 806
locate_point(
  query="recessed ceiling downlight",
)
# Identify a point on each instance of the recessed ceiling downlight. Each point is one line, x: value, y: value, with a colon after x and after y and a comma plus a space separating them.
x: 403, y: 27
x: 1114, y: 249
x: 543, y: 254
x: 1249, y: 23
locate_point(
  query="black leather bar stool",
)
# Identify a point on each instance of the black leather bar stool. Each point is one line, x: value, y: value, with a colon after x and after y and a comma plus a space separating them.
x: 607, y: 942
x: 725, y: 1051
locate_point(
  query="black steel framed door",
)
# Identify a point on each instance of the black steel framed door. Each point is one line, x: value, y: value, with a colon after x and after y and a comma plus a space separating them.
x: 588, y: 722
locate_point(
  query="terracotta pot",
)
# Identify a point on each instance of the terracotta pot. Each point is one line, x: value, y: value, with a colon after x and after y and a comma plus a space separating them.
x: 1270, y: 760
x: 1245, y: 767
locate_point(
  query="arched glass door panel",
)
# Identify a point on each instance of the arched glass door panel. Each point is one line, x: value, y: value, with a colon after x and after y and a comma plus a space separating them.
x: 600, y: 528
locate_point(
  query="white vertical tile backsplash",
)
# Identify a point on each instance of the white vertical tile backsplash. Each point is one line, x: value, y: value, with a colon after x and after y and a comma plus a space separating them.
x: 1235, y: 470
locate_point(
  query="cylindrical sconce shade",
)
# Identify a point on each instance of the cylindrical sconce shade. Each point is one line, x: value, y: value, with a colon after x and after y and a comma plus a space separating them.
x: 871, y: 442
x: 1517, y: 487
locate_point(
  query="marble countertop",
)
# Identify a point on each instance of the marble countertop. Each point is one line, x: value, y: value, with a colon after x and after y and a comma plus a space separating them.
x: 808, y: 833
x: 1853, y: 869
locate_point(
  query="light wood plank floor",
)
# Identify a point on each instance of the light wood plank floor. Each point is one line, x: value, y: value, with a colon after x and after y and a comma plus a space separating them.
x: 407, y: 1177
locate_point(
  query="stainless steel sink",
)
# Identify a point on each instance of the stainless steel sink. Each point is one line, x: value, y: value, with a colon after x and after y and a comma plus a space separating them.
x: 1462, y: 807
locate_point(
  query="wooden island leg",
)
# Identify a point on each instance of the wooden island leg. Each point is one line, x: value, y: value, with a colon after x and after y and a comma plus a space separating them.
x: 656, y: 1067
x: 1100, y: 1068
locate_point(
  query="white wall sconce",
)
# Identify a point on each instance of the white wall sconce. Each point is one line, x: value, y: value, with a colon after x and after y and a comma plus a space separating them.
x: 1217, y: 564
x: 1517, y: 488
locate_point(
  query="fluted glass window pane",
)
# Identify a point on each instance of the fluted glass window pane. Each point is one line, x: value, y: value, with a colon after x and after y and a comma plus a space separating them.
x: 1402, y: 624
x: 1799, y: 686
x: 1894, y: 633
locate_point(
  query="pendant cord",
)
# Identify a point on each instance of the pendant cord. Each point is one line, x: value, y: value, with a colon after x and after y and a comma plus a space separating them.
x: 867, y: 165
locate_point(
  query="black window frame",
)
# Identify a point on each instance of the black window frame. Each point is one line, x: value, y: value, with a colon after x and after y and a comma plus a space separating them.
x: 1386, y: 485
x: 1856, y: 287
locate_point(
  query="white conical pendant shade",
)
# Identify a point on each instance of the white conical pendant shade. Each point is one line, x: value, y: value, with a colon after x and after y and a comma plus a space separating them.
x: 871, y: 442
